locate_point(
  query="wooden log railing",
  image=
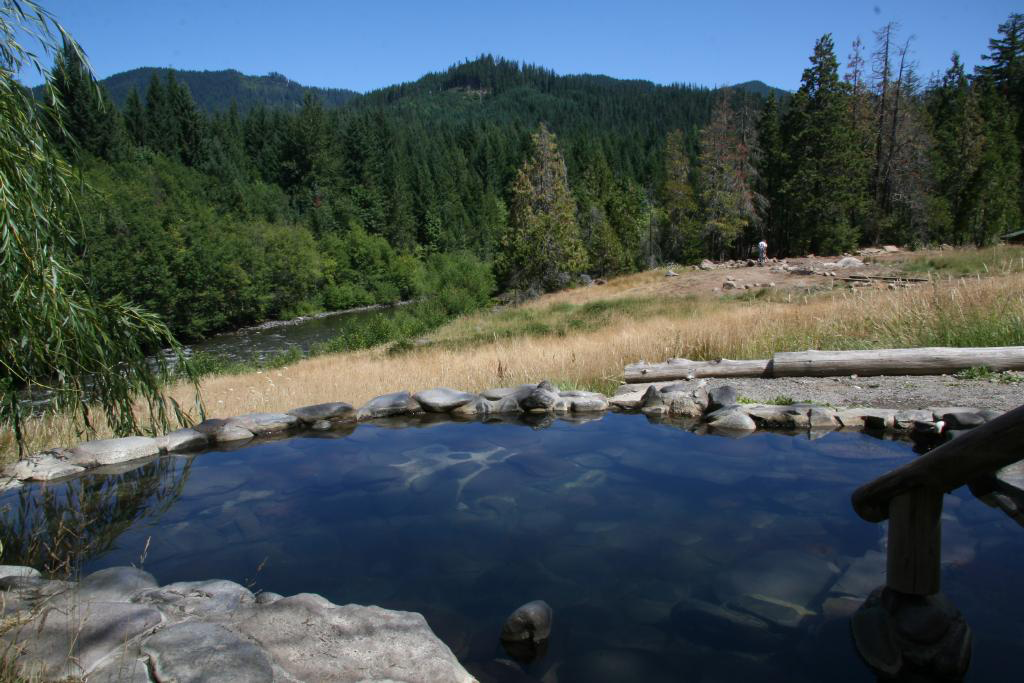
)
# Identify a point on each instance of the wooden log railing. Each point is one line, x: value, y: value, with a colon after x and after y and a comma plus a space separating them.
x: 910, y: 497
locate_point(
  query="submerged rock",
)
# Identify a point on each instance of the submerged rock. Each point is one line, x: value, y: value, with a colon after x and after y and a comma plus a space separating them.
x: 531, y: 621
x: 793, y: 577
x: 721, y: 627
x: 615, y: 666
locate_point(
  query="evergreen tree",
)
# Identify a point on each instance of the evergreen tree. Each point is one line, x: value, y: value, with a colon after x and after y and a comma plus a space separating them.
x: 1006, y: 73
x: 823, y: 179
x: 542, y: 247
x: 680, y: 229
x: 771, y: 174
x: 188, y: 123
x: 727, y: 178
x: 88, y: 121
x: 135, y: 119
x: 161, y: 125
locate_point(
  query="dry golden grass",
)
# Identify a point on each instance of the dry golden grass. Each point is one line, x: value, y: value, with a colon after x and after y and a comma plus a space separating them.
x: 959, y: 313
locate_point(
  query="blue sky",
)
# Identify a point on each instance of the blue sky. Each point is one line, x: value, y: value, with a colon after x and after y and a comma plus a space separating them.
x: 367, y: 45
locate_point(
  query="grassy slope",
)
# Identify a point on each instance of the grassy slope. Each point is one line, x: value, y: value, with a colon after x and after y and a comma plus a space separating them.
x: 584, y: 337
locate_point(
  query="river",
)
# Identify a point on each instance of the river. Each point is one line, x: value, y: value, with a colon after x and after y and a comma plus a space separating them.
x: 275, y: 337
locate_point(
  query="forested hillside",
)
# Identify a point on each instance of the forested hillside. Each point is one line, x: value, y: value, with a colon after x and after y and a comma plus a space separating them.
x: 216, y: 91
x: 226, y: 218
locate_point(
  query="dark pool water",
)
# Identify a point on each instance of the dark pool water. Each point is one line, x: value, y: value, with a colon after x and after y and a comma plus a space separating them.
x: 614, y: 522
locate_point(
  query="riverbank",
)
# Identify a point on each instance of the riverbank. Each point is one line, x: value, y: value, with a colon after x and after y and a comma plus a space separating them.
x: 583, y: 338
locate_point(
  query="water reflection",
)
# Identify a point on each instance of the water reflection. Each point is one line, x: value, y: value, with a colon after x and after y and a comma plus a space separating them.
x: 59, y: 528
x: 666, y: 555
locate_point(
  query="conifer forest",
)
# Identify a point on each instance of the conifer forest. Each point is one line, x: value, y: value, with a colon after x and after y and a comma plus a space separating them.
x: 496, y: 176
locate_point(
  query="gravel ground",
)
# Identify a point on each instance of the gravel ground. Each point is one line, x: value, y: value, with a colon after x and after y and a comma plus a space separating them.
x: 906, y: 391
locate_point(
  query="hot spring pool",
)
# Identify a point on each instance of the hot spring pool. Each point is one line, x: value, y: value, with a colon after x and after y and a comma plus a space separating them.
x: 618, y: 523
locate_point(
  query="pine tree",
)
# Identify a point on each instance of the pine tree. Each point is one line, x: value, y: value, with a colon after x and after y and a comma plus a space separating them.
x: 680, y: 230
x: 542, y: 247
x: 161, y: 125
x: 135, y: 119
x: 823, y: 179
x: 1006, y: 74
x: 771, y: 174
x: 188, y: 123
x: 90, y: 122
x: 727, y: 177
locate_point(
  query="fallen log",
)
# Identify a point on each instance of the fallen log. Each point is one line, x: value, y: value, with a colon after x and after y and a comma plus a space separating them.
x: 923, y: 361
x: 681, y: 368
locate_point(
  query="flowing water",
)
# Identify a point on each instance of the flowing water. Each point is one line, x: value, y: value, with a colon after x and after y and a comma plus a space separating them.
x: 620, y: 524
x: 271, y: 339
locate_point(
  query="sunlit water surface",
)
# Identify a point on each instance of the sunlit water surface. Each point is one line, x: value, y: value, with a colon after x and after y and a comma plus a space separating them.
x: 613, y: 522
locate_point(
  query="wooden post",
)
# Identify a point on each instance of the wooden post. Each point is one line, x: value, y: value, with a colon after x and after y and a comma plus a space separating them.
x: 915, y: 542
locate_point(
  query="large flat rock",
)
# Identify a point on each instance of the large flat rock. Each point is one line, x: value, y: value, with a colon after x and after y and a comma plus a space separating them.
x: 114, y: 584
x: 442, y: 400
x: 199, y: 651
x: 113, y: 451
x: 792, y: 577
x: 61, y: 643
x: 197, y: 598
x: 266, y: 423
x: 182, y: 440
x: 333, y: 412
x: 313, y: 639
x: 41, y: 467
x: 388, y: 405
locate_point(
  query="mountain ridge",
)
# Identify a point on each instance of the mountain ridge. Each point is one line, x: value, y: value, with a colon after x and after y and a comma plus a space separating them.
x: 215, y: 90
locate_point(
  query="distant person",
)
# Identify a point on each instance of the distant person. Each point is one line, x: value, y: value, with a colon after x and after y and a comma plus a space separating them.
x: 762, y: 251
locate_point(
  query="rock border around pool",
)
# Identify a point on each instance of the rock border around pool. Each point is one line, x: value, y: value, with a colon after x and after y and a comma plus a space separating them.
x: 718, y: 410
x: 119, y: 624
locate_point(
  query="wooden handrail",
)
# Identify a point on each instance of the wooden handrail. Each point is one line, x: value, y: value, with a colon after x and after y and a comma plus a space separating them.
x: 910, y: 497
x: 987, y: 448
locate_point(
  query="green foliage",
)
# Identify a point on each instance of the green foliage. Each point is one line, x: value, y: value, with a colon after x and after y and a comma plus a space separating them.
x: 542, y: 247
x: 822, y: 177
x: 993, y: 260
x: 90, y: 352
x: 680, y: 225
x: 983, y: 372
